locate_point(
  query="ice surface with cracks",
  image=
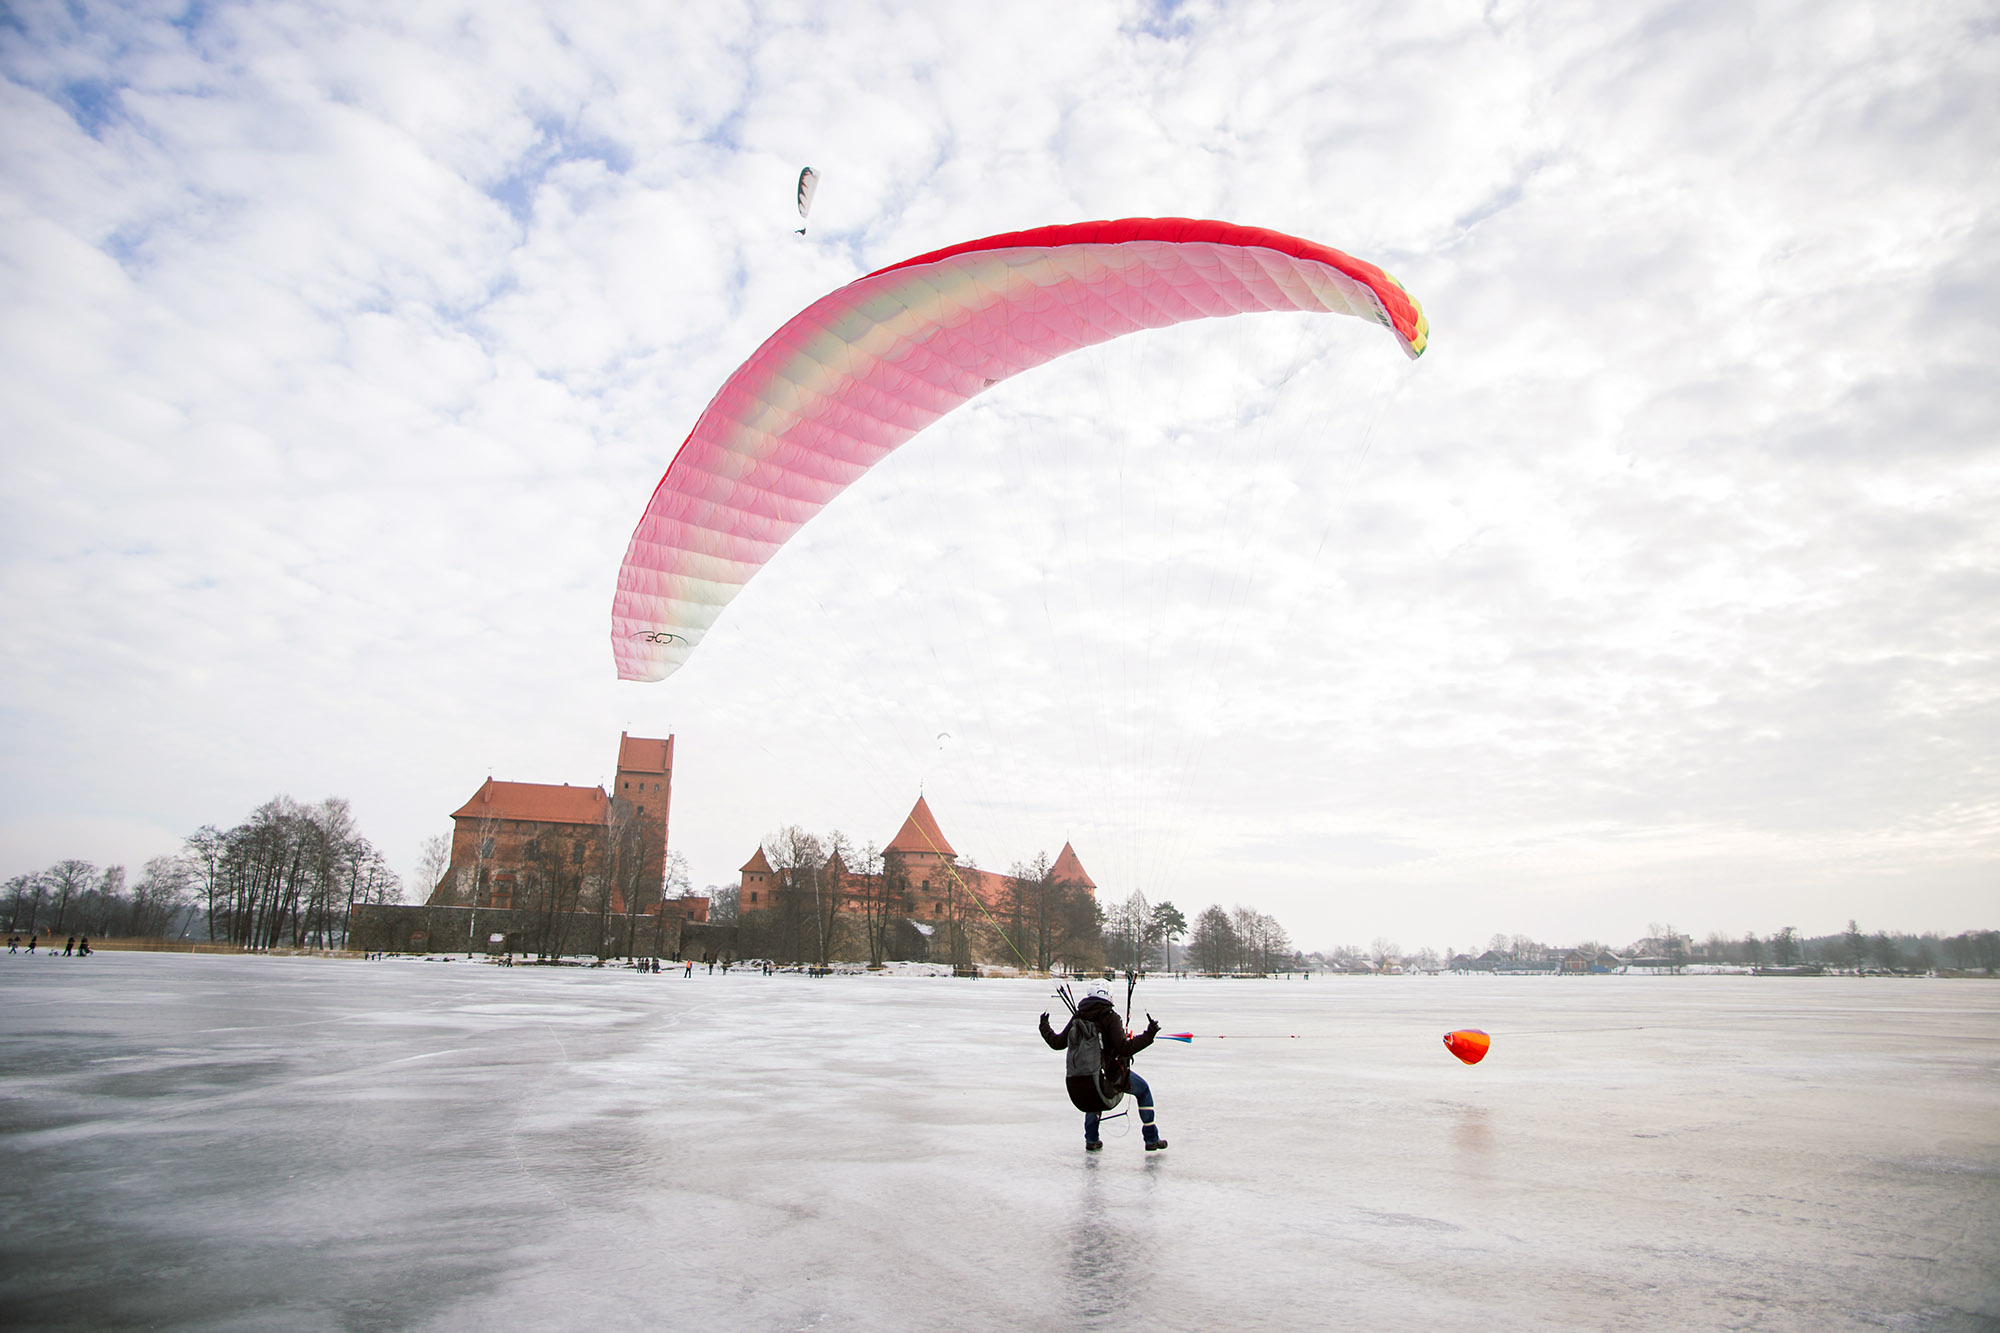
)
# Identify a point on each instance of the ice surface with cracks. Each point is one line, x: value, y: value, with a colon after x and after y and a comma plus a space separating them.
x: 230, y: 1142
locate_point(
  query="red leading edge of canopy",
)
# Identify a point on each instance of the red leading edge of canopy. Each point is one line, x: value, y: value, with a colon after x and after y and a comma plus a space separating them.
x: 1403, y: 312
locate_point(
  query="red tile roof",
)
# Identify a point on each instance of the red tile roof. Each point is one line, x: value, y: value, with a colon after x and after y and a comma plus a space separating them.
x: 538, y: 802
x: 993, y: 888
x: 641, y: 754
x: 920, y: 833
x: 756, y: 865
x: 1069, y: 870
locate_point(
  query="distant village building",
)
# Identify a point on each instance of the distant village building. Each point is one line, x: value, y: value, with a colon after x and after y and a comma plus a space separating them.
x: 1587, y: 962
x: 1571, y: 962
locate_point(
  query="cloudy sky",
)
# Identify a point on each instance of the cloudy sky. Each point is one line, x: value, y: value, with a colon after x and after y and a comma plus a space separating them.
x: 344, y: 343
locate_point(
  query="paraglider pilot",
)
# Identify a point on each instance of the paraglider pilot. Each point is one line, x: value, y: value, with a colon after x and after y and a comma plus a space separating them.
x: 1100, y: 1064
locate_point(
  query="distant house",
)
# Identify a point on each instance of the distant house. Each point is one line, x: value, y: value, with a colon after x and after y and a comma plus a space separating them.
x: 1591, y: 962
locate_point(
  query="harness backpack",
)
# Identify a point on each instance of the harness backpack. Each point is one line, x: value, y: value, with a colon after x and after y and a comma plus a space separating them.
x: 1087, y: 1068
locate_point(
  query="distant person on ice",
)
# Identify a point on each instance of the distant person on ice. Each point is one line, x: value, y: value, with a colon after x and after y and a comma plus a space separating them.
x: 1094, y: 1010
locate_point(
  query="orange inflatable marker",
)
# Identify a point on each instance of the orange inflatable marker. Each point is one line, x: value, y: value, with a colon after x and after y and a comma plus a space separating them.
x: 1468, y: 1044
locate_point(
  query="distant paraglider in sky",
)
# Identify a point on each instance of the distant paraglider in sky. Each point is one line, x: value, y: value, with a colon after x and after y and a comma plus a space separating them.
x: 866, y: 367
x: 808, y: 186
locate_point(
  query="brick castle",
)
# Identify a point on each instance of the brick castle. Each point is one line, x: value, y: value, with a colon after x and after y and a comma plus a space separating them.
x: 927, y: 866
x: 554, y: 869
x: 617, y: 839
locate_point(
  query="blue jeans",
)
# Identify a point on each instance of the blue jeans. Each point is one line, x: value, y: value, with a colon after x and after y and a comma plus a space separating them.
x: 1140, y: 1094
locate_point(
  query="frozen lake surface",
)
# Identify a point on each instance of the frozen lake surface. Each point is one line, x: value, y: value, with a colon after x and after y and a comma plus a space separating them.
x: 225, y: 1142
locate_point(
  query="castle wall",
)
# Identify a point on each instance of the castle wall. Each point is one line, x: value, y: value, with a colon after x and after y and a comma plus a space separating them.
x: 451, y: 929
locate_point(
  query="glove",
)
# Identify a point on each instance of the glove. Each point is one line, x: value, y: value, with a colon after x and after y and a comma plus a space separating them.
x: 1045, y: 1016
x: 1152, y: 1025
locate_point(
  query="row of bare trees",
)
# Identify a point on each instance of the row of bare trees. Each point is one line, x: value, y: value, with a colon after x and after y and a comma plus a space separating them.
x: 1885, y: 950
x: 1882, y: 950
x: 1239, y: 940
x: 75, y: 897
x: 290, y: 874
x: 1139, y: 935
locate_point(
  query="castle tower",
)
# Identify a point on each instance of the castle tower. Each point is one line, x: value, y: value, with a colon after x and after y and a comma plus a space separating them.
x: 646, y: 777
x: 754, y: 891
x: 644, y: 786
x: 921, y: 852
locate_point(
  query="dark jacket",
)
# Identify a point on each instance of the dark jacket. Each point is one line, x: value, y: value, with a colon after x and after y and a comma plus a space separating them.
x: 1118, y: 1047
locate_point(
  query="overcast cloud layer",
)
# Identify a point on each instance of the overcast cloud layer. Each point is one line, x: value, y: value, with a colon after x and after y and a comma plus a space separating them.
x: 343, y: 345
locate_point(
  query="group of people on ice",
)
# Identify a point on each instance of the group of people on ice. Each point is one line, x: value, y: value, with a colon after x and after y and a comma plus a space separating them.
x: 78, y: 945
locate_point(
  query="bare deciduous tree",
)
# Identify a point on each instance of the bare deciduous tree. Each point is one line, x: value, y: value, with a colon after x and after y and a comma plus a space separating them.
x: 433, y: 861
x: 788, y: 933
x: 65, y: 880
x: 1034, y: 904
x: 884, y: 897
x: 1125, y: 930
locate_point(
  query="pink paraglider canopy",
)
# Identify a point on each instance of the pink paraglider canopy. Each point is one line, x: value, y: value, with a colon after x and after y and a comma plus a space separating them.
x: 864, y: 368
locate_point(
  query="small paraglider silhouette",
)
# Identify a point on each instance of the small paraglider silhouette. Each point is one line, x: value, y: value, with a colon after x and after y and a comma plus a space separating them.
x: 808, y: 186
x: 1468, y: 1044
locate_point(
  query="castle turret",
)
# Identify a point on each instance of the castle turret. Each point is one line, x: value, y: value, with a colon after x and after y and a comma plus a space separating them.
x: 642, y: 793
x: 754, y: 893
x: 925, y: 859
x: 1068, y: 869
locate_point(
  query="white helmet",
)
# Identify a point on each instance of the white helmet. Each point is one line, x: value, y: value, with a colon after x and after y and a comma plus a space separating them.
x: 1097, y: 990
